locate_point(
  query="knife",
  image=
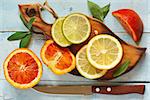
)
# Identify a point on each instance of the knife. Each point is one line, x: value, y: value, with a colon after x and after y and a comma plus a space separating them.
x: 88, y: 90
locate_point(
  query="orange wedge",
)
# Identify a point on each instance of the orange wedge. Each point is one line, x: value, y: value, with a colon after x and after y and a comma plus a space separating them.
x: 131, y: 22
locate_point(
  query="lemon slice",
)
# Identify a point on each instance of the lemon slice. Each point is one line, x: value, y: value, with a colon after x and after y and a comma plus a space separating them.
x: 85, y: 68
x: 76, y: 28
x: 104, y: 51
x: 57, y: 33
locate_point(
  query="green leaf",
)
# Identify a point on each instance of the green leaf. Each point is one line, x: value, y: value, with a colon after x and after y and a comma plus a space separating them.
x: 98, y: 12
x: 95, y: 10
x: 17, y: 36
x: 106, y: 10
x: 25, y: 41
x: 122, y: 68
x: 24, y: 22
x: 29, y: 24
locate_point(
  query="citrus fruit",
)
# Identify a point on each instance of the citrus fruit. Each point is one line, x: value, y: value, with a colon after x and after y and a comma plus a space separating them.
x: 104, y: 51
x: 22, y: 68
x: 85, y: 68
x: 59, y: 60
x: 131, y: 22
x: 76, y: 28
x: 57, y: 34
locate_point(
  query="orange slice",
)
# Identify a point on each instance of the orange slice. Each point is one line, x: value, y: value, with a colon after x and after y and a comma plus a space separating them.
x: 131, y: 22
x: 22, y: 68
x: 59, y: 60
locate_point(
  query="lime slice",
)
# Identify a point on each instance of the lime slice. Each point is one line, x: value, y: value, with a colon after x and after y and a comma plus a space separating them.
x: 85, y: 68
x: 76, y: 28
x: 104, y: 51
x: 57, y: 33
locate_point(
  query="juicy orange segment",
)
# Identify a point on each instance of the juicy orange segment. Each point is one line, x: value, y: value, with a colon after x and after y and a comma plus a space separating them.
x: 22, y: 68
x: 59, y: 59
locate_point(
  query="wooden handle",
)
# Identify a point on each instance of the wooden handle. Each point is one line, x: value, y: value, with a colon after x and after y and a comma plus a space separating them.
x: 118, y: 90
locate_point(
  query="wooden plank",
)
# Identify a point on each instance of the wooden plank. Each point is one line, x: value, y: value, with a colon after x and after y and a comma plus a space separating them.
x: 140, y: 73
x: 10, y: 20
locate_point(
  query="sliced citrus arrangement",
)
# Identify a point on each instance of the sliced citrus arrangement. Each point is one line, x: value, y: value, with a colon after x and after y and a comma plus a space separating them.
x: 76, y: 28
x: 59, y: 60
x: 57, y: 33
x: 22, y: 68
x: 131, y: 22
x: 104, y: 51
x: 85, y: 68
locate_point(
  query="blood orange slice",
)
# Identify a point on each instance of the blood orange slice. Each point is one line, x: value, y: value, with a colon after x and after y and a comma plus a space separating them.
x: 59, y: 60
x: 131, y: 22
x: 22, y: 68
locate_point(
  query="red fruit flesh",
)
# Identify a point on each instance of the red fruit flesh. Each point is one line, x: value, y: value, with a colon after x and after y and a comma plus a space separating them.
x: 22, y: 68
x: 61, y: 55
x: 131, y: 22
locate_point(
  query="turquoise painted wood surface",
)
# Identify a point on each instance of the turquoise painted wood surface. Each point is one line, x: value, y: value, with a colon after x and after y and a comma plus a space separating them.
x: 9, y: 21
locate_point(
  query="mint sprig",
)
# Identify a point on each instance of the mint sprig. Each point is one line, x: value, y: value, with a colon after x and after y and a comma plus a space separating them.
x: 17, y: 36
x: 25, y: 41
x: 25, y: 37
x: 98, y: 12
x: 23, y: 21
x: 122, y: 68
x: 29, y: 24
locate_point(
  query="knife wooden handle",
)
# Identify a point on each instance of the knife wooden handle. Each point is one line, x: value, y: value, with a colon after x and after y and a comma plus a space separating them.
x: 118, y: 90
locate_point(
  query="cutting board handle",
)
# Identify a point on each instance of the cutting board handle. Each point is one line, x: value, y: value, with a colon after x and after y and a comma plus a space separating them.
x: 49, y: 9
x: 119, y: 90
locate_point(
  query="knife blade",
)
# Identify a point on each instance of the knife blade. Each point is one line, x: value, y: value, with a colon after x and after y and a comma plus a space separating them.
x: 89, y: 90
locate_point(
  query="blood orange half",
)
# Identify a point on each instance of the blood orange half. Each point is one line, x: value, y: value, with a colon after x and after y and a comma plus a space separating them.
x: 59, y: 60
x: 22, y: 68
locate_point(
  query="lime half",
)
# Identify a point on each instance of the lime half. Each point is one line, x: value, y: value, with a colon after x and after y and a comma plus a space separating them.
x: 57, y: 33
x: 76, y: 28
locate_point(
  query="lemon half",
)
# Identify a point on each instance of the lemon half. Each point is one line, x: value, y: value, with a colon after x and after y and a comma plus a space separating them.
x: 85, y: 68
x: 104, y: 51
